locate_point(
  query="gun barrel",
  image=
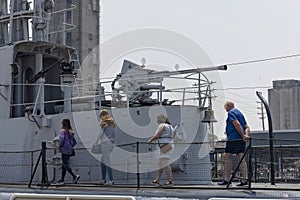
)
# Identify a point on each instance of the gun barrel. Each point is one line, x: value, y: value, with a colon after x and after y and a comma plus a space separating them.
x: 189, y: 71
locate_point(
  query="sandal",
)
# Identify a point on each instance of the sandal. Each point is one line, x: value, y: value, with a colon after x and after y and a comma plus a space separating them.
x: 155, y: 182
x: 169, y: 183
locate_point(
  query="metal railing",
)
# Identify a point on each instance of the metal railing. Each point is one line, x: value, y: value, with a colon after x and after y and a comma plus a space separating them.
x: 34, y: 167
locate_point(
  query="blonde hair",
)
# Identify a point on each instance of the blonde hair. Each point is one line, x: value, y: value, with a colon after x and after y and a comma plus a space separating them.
x: 106, y: 119
x: 163, y: 119
x: 229, y: 103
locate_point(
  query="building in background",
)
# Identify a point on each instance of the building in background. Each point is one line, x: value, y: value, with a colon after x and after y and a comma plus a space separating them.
x: 78, y: 27
x: 284, y: 100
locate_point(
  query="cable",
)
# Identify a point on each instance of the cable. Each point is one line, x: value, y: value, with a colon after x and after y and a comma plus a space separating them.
x: 264, y: 60
x: 258, y: 61
x: 245, y: 88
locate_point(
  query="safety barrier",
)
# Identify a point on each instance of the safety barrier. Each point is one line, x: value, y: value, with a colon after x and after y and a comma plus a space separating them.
x: 191, y: 163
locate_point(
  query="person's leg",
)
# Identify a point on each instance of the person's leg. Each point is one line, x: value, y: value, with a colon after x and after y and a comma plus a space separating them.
x: 110, y: 147
x: 103, y: 171
x: 63, y: 170
x: 243, y: 166
x: 107, y: 148
x: 160, y: 169
x: 67, y: 166
x: 168, y: 169
x: 228, y: 165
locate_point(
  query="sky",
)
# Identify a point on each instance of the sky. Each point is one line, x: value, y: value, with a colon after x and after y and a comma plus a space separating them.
x: 228, y: 31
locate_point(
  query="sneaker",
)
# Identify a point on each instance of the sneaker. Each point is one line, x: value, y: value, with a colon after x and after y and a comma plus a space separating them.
x: 243, y: 183
x: 223, y: 183
x: 109, y: 183
x: 75, y: 179
x: 60, y: 182
x: 102, y: 182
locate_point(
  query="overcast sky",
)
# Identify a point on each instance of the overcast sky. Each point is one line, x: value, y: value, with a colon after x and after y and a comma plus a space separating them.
x: 229, y: 31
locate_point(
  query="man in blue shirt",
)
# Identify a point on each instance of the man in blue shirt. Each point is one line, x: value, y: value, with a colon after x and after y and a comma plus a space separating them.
x: 237, y: 132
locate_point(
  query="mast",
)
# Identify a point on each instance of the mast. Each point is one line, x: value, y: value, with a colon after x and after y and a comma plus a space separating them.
x: 15, y: 20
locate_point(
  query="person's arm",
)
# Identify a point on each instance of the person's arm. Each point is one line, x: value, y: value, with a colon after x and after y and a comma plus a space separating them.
x: 61, y: 137
x: 158, y: 133
x: 100, y: 134
x: 247, y: 130
x: 239, y: 129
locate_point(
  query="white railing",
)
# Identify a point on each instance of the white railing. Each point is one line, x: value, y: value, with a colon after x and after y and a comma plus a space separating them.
x: 24, y: 196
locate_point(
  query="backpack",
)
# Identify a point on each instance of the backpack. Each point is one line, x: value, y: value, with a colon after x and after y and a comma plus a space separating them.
x: 72, y: 140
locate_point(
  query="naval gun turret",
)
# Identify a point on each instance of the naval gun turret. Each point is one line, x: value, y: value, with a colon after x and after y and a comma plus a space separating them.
x: 138, y: 84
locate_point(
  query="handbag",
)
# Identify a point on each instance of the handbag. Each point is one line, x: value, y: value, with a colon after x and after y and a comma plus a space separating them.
x: 166, y: 148
x: 73, y: 153
x: 96, y: 148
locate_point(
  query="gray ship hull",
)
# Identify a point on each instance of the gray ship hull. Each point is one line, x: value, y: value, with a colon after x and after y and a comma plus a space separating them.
x: 190, y: 163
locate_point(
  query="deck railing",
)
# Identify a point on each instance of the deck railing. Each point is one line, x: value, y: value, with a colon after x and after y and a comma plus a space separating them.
x: 37, y: 167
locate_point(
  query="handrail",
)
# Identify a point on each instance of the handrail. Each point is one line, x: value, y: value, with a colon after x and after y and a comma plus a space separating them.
x: 252, y: 153
x: 187, y: 90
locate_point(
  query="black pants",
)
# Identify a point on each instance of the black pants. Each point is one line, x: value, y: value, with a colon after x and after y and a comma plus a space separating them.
x: 66, y: 167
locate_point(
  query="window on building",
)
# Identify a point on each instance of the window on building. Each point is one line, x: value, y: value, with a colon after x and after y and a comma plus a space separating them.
x: 69, y: 14
x: 69, y: 37
x: 69, y: 2
x: 28, y: 90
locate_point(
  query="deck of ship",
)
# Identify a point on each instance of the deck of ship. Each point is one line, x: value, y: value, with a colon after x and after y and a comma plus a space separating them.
x: 258, y: 191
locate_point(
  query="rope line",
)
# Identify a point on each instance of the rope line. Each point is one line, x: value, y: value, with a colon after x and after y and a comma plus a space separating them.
x: 264, y: 60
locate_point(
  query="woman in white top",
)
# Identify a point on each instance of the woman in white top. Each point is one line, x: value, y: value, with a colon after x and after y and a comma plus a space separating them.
x: 164, y: 136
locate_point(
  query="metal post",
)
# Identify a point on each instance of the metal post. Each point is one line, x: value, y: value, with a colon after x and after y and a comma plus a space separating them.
x: 11, y: 21
x: 138, y: 166
x: 271, y: 137
x: 250, y: 170
x: 63, y: 33
x: 42, y: 97
x: 199, y: 90
x: 44, y: 165
x: 35, y: 168
x: 100, y: 95
x: 127, y: 96
x: 160, y: 93
x: 255, y: 168
x: 183, y: 97
x: 281, y: 164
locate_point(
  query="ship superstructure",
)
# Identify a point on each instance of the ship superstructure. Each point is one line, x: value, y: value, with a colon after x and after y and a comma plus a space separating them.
x: 38, y: 89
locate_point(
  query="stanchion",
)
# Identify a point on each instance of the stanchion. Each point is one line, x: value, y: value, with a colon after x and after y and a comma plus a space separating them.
x: 34, y: 170
x: 138, y: 166
x: 271, y: 137
x: 44, y: 165
x: 250, y: 170
x: 42, y: 157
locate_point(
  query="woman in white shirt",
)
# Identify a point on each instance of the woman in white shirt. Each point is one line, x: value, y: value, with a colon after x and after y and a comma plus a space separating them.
x: 164, y: 136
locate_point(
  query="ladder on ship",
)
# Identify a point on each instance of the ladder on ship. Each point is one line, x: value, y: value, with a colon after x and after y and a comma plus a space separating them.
x: 79, y: 87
